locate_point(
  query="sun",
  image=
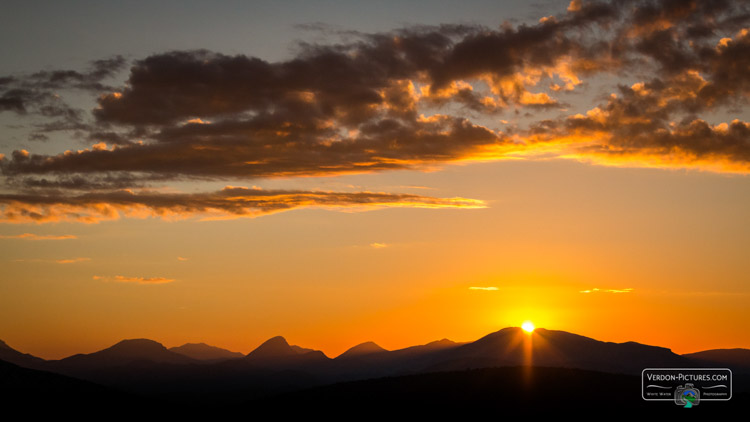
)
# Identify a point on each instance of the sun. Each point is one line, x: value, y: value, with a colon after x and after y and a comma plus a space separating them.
x: 528, y: 326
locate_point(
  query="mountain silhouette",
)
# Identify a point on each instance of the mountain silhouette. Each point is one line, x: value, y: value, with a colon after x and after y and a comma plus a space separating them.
x: 513, y: 346
x: 301, y: 350
x: 123, y: 354
x: 273, y: 348
x: 365, y: 348
x: 8, y: 354
x: 205, y: 352
x: 735, y: 359
x: 146, y: 367
x: 277, y: 351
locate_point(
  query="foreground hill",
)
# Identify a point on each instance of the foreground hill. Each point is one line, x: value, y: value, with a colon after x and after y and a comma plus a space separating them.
x: 502, y: 391
x: 33, y: 392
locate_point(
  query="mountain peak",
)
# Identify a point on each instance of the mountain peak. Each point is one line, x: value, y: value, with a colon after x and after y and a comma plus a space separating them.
x: 129, y: 350
x: 203, y: 351
x: 272, y: 348
x: 441, y: 342
x: 365, y: 348
x: 137, y: 346
x: 3, y: 345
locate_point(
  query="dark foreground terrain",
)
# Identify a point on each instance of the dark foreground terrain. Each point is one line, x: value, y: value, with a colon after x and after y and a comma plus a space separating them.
x: 500, y: 391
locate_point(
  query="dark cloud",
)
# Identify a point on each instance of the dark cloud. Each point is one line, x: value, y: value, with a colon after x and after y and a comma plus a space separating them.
x: 39, y: 94
x: 254, y: 149
x: 403, y: 99
x: 65, y: 79
x: 80, y: 183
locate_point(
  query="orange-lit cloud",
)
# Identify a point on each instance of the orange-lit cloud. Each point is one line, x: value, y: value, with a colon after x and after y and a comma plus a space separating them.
x: 595, y: 290
x: 56, y: 261
x: 377, y: 245
x: 31, y: 236
x: 488, y: 289
x: 72, y: 260
x: 413, y: 98
x: 137, y: 280
x: 228, y: 203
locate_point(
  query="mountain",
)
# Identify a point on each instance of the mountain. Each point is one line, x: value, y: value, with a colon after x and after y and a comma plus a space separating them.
x: 735, y: 359
x: 204, y: 352
x: 366, y: 348
x: 276, y: 351
x: 273, y: 348
x: 513, y: 346
x: 301, y: 350
x: 126, y: 352
x: 8, y: 354
x: 368, y: 360
x: 146, y: 367
x: 434, y: 346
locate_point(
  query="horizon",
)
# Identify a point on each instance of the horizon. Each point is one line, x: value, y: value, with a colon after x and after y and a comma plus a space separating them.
x: 337, y: 354
x: 225, y: 172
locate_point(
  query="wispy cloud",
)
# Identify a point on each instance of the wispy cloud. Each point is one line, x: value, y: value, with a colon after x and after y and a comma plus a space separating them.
x: 596, y: 290
x: 55, y: 261
x: 228, y: 203
x: 179, y: 258
x: 137, y: 280
x: 72, y: 260
x: 31, y: 236
x: 488, y: 289
x: 377, y: 245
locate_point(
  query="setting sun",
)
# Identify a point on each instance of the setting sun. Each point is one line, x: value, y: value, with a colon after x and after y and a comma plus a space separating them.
x: 528, y: 326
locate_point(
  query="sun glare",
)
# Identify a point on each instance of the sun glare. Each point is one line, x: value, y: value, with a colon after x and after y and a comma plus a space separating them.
x: 528, y: 326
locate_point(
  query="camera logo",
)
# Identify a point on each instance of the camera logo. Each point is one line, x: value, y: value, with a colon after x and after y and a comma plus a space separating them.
x: 687, y: 396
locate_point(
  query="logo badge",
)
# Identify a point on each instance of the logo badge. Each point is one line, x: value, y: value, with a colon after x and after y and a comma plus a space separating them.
x: 687, y: 396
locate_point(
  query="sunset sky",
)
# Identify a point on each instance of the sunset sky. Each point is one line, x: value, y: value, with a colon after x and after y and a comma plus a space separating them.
x: 388, y: 171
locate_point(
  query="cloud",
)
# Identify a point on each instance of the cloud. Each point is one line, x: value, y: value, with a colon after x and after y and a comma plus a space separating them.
x: 488, y: 289
x: 254, y: 149
x: 228, y: 203
x: 595, y: 290
x: 414, y: 98
x: 179, y: 258
x: 378, y: 245
x: 72, y: 260
x: 31, y: 236
x: 55, y: 261
x: 137, y: 280
x: 635, y: 128
x: 37, y: 94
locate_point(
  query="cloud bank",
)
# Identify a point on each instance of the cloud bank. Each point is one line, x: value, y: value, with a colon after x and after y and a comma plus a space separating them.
x: 413, y: 98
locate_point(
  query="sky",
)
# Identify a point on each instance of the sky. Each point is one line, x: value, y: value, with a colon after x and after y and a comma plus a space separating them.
x: 397, y: 172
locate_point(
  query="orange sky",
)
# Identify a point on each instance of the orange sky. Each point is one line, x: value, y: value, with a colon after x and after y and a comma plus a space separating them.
x: 369, y: 191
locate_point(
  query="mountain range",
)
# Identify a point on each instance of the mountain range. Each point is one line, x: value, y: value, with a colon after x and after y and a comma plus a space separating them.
x: 199, y: 372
